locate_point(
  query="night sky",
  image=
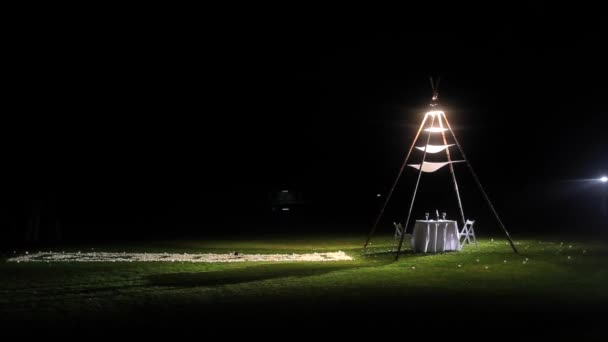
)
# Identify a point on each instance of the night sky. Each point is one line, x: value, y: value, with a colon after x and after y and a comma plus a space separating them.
x: 141, y: 124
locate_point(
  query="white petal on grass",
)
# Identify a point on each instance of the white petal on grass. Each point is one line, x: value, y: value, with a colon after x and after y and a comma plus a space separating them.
x: 165, y: 257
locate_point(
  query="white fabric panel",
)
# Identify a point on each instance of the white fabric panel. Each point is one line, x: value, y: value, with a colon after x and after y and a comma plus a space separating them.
x: 435, y: 129
x: 435, y: 236
x: 428, y: 166
x: 434, y: 148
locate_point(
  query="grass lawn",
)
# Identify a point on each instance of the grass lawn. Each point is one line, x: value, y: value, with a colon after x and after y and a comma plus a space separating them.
x: 552, y: 286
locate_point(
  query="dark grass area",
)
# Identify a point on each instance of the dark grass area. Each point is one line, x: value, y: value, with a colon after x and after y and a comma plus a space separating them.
x: 548, y: 295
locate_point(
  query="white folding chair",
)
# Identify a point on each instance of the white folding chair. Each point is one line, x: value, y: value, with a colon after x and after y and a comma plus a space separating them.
x: 398, y: 232
x: 467, y: 234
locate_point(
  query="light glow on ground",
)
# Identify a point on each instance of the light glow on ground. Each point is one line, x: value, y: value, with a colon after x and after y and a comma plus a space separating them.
x: 185, y: 257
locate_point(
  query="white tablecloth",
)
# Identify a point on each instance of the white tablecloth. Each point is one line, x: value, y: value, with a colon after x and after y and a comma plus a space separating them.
x: 435, y: 236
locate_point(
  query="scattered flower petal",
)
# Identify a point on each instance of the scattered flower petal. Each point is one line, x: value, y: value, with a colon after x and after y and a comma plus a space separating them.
x: 165, y: 257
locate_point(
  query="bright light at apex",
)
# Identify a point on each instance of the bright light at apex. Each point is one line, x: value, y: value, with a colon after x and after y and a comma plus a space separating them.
x: 604, y: 179
x: 435, y: 112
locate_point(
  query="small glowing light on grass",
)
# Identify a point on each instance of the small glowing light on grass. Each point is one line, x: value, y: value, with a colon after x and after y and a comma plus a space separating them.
x: 584, y: 251
x: 477, y: 260
x: 486, y: 267
x: 505, y: 261
x: 527, y: 259
x: 459, y: 265
x: 413, y: 267
x: 378, y: 195
x: 569, y: 257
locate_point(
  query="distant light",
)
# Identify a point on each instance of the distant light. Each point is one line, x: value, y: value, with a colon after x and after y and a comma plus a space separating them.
x: 378, y: 195
x: 285, y: 209
x: 604, y: 179
x: 285, y: 191
x: 435, y: 112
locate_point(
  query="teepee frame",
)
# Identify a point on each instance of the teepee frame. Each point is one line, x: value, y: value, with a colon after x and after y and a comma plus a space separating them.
x: 435, y: 115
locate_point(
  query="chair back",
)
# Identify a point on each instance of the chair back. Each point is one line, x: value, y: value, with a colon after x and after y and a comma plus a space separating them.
x: 398, y: 229
x: 467, y: 234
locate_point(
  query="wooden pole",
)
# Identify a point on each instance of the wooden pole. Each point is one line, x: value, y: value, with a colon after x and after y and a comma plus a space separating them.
x: 409, y: 214
x: 447, y: 152
x: 481, y: 187
x: 388, y: 197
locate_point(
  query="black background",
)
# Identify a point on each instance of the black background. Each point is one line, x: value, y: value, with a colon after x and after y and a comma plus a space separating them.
x: 150, y: 122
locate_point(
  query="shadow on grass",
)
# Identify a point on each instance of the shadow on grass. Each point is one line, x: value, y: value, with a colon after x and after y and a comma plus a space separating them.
x: 390, y: 255
x: 247, y: 274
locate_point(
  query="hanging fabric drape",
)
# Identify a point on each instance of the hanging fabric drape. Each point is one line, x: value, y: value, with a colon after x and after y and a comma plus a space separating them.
x: 434, y: 148
x: 435, y: 129
x: 431, y: 167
